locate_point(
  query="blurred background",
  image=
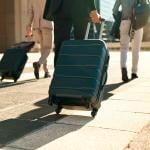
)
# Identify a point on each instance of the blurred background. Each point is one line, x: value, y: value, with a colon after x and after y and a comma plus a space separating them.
x: 13, y: 21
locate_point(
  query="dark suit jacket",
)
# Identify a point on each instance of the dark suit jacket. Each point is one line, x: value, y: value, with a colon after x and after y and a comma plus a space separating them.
x: 82, y: 8
x: 77, y: 9
x: 51, y: 9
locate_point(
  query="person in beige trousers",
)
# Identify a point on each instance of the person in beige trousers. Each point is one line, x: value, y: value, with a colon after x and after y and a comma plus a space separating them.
x: 42, y: 30
x: 127, y: 11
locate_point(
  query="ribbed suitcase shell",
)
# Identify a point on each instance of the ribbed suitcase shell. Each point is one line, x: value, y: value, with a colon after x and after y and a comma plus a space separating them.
x: 80, y: 74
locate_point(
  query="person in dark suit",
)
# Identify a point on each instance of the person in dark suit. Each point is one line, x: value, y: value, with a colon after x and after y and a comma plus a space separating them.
x: 68, y: 13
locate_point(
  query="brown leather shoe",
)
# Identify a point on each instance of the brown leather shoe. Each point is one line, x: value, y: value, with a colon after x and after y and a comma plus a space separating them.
x: 36, y: 67
x: 47, y: 75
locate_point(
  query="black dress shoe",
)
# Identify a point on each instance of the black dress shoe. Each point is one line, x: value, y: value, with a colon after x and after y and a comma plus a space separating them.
x: 36, y: 67
x: 47, y: 75
x: 134, y: 76
x: 124, y: 75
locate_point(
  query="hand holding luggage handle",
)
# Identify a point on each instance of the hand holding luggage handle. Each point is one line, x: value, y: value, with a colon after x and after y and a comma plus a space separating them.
x: 94, y: 29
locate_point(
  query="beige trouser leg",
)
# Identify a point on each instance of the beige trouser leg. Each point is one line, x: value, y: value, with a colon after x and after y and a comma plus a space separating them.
x: 124, y: 41
x: 124, y: 44
x: 44, y: 37
x: 136, y: 45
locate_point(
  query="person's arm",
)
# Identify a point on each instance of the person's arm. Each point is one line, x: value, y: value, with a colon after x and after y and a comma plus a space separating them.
x: 30, y: 16
x: 116, y: 7
x: 91, y: 4
x: 47, y: 10
x: 95, y: 17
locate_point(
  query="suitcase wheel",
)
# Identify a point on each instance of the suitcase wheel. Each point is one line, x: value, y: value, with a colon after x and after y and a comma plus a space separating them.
x: 58, y: 109
x: 2, y: 78
x: 94, y: 112
x: 15, y: 80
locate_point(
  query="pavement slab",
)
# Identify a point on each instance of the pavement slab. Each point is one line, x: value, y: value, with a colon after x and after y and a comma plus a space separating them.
x: 27, y: 122
x: 27, y: 111
x: 141, y: 140
x: 121, y: 121
x: 12, y: 129
x: 64, y: 136
x: 22, y: 92
x: 13, y: 99
x: 128, y: 106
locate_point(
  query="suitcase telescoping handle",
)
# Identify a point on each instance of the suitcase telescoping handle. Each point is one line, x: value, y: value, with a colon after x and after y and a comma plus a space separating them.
x: 94, y: 29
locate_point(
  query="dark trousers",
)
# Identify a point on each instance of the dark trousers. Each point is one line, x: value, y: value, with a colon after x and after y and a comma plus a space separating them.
x: 62, y: 29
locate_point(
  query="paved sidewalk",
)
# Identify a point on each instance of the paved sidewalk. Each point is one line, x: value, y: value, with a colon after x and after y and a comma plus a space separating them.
x: 27, y: 122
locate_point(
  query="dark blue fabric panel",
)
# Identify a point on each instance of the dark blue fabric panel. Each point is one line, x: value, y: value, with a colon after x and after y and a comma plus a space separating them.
x: 82, y: 71
x: 74, y: 82
x: 74, y: 60
x: 73, y: 93
x: 84, y: 47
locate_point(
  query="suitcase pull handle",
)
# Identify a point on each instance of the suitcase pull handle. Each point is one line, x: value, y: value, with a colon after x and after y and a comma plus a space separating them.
x: 87, y: 31
x: 94, y: 29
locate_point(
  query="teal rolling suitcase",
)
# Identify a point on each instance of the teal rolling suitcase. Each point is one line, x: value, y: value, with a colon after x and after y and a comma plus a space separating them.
x: 80, y: 75
x: 14, y: 60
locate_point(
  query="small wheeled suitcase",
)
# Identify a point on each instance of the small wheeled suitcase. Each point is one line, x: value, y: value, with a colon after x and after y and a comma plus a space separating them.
x: 14, y: 59
x: 80, y: 75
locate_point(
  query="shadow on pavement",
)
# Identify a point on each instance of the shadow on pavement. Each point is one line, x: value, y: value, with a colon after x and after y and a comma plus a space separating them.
x: 109, y: 88
x: 31, y: 121
x: 11, y: 83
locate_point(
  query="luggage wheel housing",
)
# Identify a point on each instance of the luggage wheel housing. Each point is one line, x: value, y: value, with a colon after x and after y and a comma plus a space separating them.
x: 2, y: 78
x: 94, y: 112
x: 58, y: 109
